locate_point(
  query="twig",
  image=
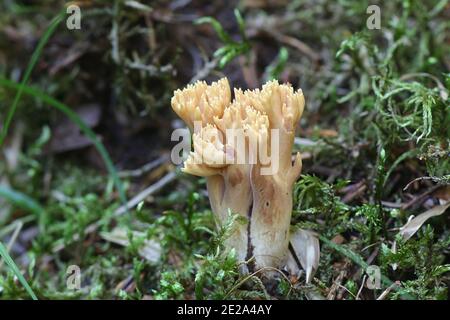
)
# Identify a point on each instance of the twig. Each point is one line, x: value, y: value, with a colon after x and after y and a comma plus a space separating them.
x: 145, y: 193
x: 114, y: 34
x: 336, y: 283
x: 418, y: 179
x: 421, y: 198
x: 296, y: 43
x: 343, y: 287
x: 392, y: 204
x: 144, y: 169
x: 388, y: 289
x: 206, y: 70
x: 150, y: 69
x: 373, y: 255
x: 7, y: 229
x: 359, y: 190
x: 361, y: 288
x: 241, y: 282
x: 304, y: 142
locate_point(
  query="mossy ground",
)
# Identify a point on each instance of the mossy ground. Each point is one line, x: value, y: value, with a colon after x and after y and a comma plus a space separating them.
x: 377, y: 117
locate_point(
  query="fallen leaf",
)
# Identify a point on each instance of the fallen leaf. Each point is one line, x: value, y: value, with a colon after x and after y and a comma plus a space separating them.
x: 150, y: 250
x: 414, y: 224
x: 443, y: 193
x: 328, y: 133
x: 306, y: 247
x: 338, y: 239
x: 67, y: 136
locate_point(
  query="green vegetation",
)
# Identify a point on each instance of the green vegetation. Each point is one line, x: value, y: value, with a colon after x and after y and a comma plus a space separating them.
x: 85, y: 113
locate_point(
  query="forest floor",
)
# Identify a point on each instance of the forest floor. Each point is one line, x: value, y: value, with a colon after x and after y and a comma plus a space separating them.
x: 90, y: 129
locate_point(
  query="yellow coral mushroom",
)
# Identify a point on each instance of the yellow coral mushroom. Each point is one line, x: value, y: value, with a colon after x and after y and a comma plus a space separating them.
x: 200, y: 102
x: 234, y: 145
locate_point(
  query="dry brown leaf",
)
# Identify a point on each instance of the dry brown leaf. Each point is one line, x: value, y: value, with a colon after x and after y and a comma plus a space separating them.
x: 66, y: 135
x: 443, y: 193
x: 338, y: 239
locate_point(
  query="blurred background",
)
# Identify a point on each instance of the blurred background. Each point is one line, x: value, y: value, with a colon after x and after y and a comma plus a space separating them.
x: 90, y: 129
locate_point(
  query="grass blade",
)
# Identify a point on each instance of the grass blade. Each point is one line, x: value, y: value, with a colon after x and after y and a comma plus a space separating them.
x: 73, y: 116
x: 21, y: 200
x: 25, y: 202
x: 9, y: 261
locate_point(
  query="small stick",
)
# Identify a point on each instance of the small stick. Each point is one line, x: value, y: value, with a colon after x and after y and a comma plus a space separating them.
x: 205, y: 70
x: 296, y: 43
x: 345, y: 289
x: 144, y: 169
x: 336, y: 283
x: 420, y: 198
x: 389, y: 289
x: 418, y: 179
x: 145, y: 193
x: 360, y: 288
x: 354, y: 194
